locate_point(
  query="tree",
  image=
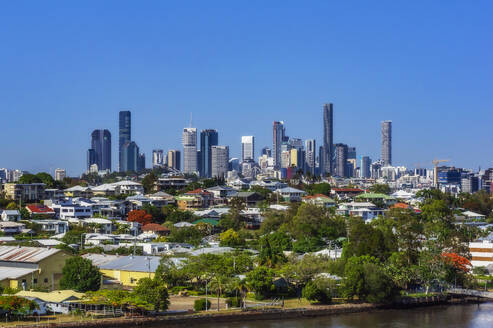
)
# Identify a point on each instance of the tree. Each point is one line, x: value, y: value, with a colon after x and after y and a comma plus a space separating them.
x: 318, y: 188
x: 15, y: 305
x: 140, y: 216
x: 270, y: 255
x: 380, y: 189
x: 153, y: 292
x: 11, y: 206
x: 230, y: 238
x: 80, y: 275
x: 364, y: 239
x: 149, y: 182
x: 190, y: 235
x: 261, y: 282
x: 319, y: 290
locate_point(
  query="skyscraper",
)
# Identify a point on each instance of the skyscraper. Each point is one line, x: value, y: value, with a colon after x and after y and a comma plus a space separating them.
x: 60, y: 174
x: 279, y: 134
x: 141, y: 162
x: 219, y: 161
x: 247, y: 148
x: 157, y: 158
x: 387, y: 143
x: 189, y: 141
x: 101, y: 150
x: 328, y: 151
x: 341, y: 160
x: 174, y: 159
x: 310, y: 156
x: 125, y: 134
x: 365, y: 171
x: 208, y: 138
x: 130, y: 157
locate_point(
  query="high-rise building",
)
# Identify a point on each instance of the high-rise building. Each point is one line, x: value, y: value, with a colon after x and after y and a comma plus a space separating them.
x: 208, y: 138
x: 266, y: 151
x: 141, y: 162
x: 189, y: 141
x: 130, y: 157
x: 279, y: 134
x: 157, y: 158
x: 247, y: 148
x: 387, y: 143
x: 124, y: 134
x: 341, y: 160
x: 365, y: 171
x: 60, y: 174
x: 91, y: 158
x: 310, y: 156
x: 101, y: 146
x: 174, y: 159
x: 328, y: 152
x: 219, y: 161
x: 351, y: 152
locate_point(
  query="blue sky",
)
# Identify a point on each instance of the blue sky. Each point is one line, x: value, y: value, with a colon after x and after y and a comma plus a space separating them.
x: 68, y: 67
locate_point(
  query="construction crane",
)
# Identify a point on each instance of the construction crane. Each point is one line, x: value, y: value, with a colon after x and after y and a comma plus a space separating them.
x: 435, y: 173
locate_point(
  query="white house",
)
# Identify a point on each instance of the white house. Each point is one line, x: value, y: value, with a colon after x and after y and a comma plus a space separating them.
x: 291, y: 194
x: 53, y: 226
x: 11, y: 215
x: 102, y: 225
x: 11, y: 228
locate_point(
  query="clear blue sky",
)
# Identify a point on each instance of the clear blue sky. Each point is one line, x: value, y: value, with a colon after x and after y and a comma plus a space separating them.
x: 68, y: 67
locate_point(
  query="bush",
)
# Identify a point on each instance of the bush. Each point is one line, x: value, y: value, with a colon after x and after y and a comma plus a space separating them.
x: 199, y: 305
x: 234, y: 302
x: 314, y: 292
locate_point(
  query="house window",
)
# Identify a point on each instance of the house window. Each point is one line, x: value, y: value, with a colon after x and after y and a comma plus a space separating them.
x: 35, y: 281
x: 45, y: 280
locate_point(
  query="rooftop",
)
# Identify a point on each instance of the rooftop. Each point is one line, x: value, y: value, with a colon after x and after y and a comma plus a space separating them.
x: 25, y: 254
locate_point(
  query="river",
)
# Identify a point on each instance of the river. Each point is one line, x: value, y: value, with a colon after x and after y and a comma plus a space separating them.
x: 452, y: 316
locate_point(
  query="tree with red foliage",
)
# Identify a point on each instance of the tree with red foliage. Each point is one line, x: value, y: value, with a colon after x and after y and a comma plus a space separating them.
x: 457, y: 261
x: 139, y: 216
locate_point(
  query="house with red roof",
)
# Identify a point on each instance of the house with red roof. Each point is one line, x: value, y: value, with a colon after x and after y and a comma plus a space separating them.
x: 40, y: 210
x: 156, y: 228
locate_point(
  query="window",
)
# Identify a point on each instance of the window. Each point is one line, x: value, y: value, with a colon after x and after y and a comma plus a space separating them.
x: 35, y: 281
x: 45, y: 280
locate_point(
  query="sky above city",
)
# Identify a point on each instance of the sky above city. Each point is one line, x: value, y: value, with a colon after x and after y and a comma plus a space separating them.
x: 67, y: 68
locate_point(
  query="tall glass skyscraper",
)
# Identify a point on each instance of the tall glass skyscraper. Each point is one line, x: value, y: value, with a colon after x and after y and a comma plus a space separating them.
x: 189, y: 141
x: 279, y: 134
x: 247, y: 148
x: 387, y: 143
x: 328, y: 144
x: 100, y: 152
x: 341, y: 160
x: 208, y: 138
x: 125, y: 134
x: 130, y: 157
x: 310, y: 156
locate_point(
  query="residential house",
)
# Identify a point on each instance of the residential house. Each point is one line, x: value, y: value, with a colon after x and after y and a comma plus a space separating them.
x: 290, y: 194
x: 10, y: 215
x: 11, y: 228
x: 319, y: 200
x: 250, y: 198
x: 31, y: 192
x: 52, y: 226
x: 40, y: 210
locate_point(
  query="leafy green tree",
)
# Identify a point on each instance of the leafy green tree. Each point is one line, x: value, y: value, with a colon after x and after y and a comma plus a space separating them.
x: 270, y: 255
x: 74, y: 236
x: 318, y: 188
x: 190, y: 235
x: 380, y: 189
x: 11, y: 206
x: 153, y: 292
x: 230, y: 238
x: 319, y: 290
x: 149, y: 182
x: 80, y: 275
x: 14, y: 305
x: 170, y: 274
x: 308, y: 244
x: 261, y: 282
x: 28, y: 178
x: 364, y: 239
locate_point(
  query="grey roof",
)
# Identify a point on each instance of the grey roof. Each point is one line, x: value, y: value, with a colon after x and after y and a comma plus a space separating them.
x: 11, y: 212
x: 133, y: 263
x: 25, y: 254
x: 14, y: 273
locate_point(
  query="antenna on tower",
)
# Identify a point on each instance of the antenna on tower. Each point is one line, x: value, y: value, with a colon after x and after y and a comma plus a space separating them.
x: 191, y: 119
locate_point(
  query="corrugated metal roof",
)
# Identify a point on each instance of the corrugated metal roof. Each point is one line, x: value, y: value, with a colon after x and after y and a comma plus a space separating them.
x: 56, y: 296
x: 14, y: 273
x: 133, y: 263
x: 25, y: 254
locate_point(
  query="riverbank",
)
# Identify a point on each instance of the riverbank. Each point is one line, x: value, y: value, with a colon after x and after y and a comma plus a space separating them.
x: 250, y: 315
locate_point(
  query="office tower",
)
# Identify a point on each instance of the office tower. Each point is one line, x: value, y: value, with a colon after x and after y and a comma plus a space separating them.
x: 130, y: 157
x: 351, y: 152
x: 320, y: 160
x: 247, y: 148
x: 266, y: 151
x: 470, y: 183
x: 124, y: 134
x: 234, y: 164
x: 328, y: 152
x: 365, y: 171
x: 101, y: 150
x: 174, y: 159
x: 189, y: 141
x: 60, y: 174
x: 91, y: 158
x: 341, y: 160
x: 141, y: 162
x: 219, y: 161
x: 208, y: 138
x: 157, y: 158
x: 387, y: 143
x: 279, y: 134
x: 310, y: 156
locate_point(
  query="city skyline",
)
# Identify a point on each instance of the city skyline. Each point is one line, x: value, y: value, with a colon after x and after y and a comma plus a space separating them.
x: 422, y: 77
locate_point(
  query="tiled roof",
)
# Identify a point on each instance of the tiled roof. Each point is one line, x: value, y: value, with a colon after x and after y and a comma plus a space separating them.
x: 154, y: 227
x: 39, y: 209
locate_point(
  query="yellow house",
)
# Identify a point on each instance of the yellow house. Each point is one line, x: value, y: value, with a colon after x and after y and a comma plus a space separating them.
x: 127, y: 270
x: 30, y: 267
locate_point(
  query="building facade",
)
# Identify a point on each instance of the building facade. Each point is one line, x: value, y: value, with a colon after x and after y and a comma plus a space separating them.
x: 130, y: 157
x: 60, y: 174
x: 173, y: 159
x: 189, y: 141
x: 279, y: 135
x: 365, y: 171
x: 247, y: 148
x: 219, y: 161
x: 101, y: 150
x: 124, y: 134
x: 208, y: 139
x: 341, y: 160
x: 157, y: 158
x: 326, y: 162
x: 387, y: 143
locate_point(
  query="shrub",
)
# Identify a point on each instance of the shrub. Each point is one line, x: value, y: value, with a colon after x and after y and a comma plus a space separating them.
x: 199, y: 305
x: 316, y: 293
x: 234, y: 302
